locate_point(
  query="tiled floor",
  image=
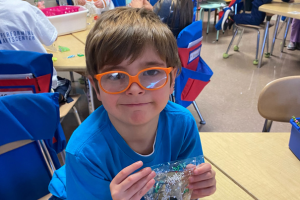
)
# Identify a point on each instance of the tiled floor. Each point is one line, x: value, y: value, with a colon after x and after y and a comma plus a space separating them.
x: 229, y: 101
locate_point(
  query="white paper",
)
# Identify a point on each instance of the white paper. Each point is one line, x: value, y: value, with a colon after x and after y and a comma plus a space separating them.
x: 15, y: 76
x: 194, y: 54
x: 191, y: 44
x: 2, y: 94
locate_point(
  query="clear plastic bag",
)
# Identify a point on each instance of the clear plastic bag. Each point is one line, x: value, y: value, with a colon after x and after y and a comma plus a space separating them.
x: 171, y: 179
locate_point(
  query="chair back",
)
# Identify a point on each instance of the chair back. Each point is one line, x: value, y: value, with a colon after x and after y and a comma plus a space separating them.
x: 280, y: 100
x: 27, y: 122
x: 195, y: 74
x: 25, y: 72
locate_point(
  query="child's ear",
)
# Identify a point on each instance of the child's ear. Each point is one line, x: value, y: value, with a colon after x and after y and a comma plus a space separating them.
x: 97, y: 90
x: 173, y: 73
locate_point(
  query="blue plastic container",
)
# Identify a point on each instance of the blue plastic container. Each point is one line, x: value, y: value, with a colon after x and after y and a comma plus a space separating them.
x: 295, y: 138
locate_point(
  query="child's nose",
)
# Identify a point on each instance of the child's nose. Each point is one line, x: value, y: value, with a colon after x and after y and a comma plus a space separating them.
x: 135, y: 89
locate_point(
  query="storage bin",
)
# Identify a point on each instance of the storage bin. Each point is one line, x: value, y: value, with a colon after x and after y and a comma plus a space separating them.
x: 294, y: 143
x: 67, y: 19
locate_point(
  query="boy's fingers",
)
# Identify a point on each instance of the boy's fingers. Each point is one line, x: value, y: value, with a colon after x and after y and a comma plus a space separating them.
x: 201, y: 169
x: 134, y: 178
x: 190, y: 166
x: 202, y: 177
x: 122, y: 175
x: 135, y: 188
x: 202, y: 184
x: 144, y: 190
x: 203, y: 192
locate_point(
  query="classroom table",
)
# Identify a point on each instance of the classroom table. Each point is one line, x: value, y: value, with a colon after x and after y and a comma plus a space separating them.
x: 82, y: 35
x: 260, y: 163
x: 227, y: 189
x: 289, y: 10
x: 76, y: 64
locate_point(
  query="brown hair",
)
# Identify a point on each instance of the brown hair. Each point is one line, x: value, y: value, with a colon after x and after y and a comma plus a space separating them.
x: 183, y: 12
x: 123, y: 33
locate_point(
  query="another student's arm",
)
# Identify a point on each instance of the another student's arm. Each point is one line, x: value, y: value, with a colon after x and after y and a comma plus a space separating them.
x: 83, y: 180
x: 45, y: 31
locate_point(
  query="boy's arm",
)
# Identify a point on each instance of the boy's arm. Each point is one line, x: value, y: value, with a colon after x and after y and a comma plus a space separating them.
x: 82, y: 181
x: 45, y: 31
x: 191, y: 145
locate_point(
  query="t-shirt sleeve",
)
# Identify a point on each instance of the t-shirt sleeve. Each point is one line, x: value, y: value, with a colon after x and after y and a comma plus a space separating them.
x: 191, y: 146
x: 45, y: 31
x: 83, y: 182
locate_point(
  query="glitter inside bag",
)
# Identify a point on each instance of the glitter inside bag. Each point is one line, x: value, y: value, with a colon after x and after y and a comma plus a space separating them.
x: 171, y: 179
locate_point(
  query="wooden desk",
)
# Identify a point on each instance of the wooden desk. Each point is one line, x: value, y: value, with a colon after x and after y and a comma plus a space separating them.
x: 71, y: 64
x: 260, y: 162
x: 227, y: 189
x: 282, y: 8
x: 82, y: 35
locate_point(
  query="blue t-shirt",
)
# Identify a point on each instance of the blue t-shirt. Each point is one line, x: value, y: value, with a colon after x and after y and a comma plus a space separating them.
x: 96, y: 152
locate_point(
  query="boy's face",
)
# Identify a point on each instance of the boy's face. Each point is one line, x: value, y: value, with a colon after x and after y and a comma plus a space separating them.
x: 137, y: 106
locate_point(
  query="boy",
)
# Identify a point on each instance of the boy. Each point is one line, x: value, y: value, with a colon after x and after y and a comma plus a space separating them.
x: 254, y: 18
x: 25, y: 27
x: 133, y: 57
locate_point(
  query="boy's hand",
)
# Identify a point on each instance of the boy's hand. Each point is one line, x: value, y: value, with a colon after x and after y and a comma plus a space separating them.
x: 202, y: 181
x: 132, y: 187
x: 81, y: 2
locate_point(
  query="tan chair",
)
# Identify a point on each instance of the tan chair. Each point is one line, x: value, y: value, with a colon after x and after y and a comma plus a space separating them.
x: 42, y: 148
x: 279, y: 101
x: 65, y: 108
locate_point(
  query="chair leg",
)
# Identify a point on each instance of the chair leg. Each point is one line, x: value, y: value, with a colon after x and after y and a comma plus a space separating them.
x: 208, y: 21
x: 198, y: 112
x: 216, y: 13
x: 225, y: 55
x: 235, y: 9
x: 236, y: 47
x: 217, y: 39
x: 63, y: 156
x: 285, y: 34
x: 275, y: 33
x: 71, y: 76
x: 267, y: 125
x: 90, y: 95
x: 264, y: 43
x: 76, y: 115
x: 281, y: 27
x: 46, y: 156
x: 201, y: 14
x: 255, y: 62
x: 267, y: 55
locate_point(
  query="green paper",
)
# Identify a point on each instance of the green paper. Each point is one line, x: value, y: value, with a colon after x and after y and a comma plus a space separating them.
x: 63, y: 49
x: 80, y: 55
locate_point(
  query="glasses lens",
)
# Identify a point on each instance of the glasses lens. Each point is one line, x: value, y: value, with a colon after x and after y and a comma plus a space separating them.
x: 153, y: 78
x: 114, y: 82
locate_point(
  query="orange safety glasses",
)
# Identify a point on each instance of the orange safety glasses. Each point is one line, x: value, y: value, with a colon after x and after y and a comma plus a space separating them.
x: 115, y: 82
